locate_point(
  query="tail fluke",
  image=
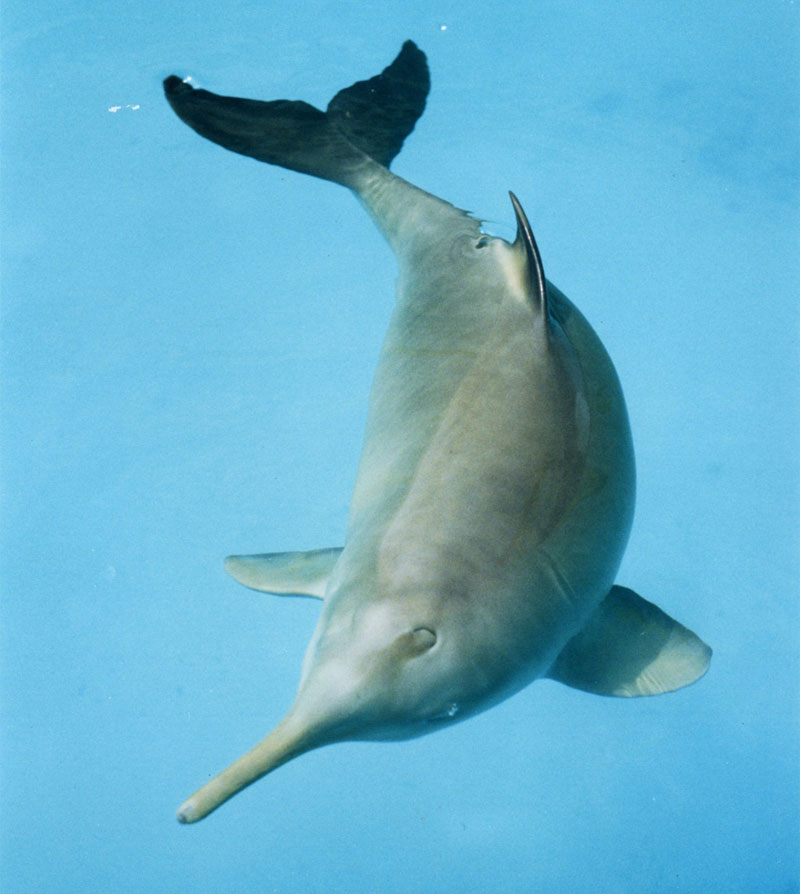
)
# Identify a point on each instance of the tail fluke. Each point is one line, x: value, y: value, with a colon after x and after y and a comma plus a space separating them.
x: 363, y: 124
x: 377, y: 115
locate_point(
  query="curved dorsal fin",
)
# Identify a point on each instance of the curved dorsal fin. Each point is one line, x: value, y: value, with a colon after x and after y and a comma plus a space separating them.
x: 527, y: 244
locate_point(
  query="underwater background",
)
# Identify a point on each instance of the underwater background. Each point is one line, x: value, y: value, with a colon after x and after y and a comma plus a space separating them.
x: 188, y: 339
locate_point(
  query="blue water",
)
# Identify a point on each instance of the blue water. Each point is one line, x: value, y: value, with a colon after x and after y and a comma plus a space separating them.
x: 188, y: 342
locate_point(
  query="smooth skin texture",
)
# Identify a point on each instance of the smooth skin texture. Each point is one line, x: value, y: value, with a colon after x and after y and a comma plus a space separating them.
x: 495, y: 491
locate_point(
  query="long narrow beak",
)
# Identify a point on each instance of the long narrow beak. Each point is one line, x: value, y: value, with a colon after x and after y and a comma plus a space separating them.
x: 288, y: 740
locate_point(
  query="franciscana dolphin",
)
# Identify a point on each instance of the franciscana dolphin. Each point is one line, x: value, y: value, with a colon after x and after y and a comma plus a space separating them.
x: 495, y: 490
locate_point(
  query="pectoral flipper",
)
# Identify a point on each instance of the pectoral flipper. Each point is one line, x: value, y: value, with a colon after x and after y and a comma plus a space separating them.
x: 629, y: 647
x: 285, y: 574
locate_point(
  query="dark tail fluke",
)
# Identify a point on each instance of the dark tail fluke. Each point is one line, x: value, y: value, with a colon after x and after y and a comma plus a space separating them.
x: 377, y: 115
x: 372, y: 118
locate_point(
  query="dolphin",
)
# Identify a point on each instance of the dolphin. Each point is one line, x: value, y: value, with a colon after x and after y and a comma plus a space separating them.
x: 495, y: 490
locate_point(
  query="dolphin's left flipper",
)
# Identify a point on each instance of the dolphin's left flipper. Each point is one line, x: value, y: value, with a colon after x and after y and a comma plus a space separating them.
x: 285, y: 574
x: 630, y: 647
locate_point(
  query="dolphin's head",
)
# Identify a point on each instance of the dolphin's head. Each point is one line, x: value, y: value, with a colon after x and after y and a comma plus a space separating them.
x: 374, y: 673
x: 379, y: 672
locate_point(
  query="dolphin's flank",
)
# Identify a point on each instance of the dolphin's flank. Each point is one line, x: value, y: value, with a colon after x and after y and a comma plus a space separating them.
x: 495, y: 491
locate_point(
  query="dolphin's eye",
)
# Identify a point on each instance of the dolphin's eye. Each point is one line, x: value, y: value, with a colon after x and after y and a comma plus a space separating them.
x: 448, y: 713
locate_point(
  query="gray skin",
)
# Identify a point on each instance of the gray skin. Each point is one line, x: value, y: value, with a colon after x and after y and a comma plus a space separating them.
x: 492, y: 505
x: 495, y: 491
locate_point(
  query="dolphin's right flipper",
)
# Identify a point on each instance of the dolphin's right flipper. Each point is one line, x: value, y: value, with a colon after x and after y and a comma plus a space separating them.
x: 363, y: 125
x: 630, y: 647
x: 285, y: 574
